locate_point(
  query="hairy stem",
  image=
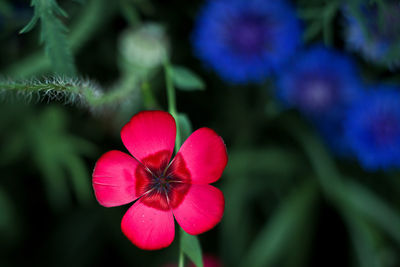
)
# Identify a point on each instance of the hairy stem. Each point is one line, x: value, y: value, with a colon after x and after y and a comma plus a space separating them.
x: 71, y: 90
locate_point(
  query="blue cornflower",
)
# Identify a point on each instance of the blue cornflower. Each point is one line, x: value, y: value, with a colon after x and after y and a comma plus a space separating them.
x: 322, y: 84
x: 245, y: 40
x: 374, y: 32
x: 373, y: 128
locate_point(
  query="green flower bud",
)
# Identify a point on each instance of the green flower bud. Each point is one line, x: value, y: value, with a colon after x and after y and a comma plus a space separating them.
x: 145, y: 47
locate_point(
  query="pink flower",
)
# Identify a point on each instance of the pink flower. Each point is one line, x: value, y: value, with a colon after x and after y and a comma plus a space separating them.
x: 163, y: 189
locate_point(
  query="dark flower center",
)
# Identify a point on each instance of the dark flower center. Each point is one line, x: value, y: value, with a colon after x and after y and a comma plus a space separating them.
x: 316, y: 93
x: 248, y: 34
x: 162, y: 185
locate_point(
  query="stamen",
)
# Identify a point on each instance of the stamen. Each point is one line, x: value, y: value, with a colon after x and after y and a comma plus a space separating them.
x: 166, y: 195
x: 175, y: 181
x: 148, y: 191
x: 144, y: 166
x: 166, y: 168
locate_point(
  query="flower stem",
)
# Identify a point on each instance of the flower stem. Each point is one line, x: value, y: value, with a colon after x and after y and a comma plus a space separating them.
x: 148, y: 97
x: 172, y: 101
x: 174, y: 112
x: 181, y: 262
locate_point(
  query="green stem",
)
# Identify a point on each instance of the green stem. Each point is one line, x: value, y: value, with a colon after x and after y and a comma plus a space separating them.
x: 130, y: 13
x: 172, y: 102
x: 148, y: 97
x: 174, y: 112
x: 71, y: 91
x: 181, y: 262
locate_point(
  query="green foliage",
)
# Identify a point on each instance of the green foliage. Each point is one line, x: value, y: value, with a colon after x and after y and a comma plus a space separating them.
x: 58, y: 160
x: 190, y: 245
x: 319, y: 16
x: 363, y: 237
x: 5, y: 8
x: 186, y: 80
x: 361, y: 208
x: 129, y: 12
x: 7, y: 216
x: 82, y: 30
x: 272, y: 241
x: 373, y: 209
x: 253, y: 175
x: 56, y: 154
x: 270, y: 160
x: 53, y: 35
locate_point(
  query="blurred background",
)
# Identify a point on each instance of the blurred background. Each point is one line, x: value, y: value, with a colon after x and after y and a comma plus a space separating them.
x: 305, y: 93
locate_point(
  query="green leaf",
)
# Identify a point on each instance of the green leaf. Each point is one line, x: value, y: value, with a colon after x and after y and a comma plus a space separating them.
x: 53, y: 35
x: 310, y: 13
x: 190, y: 245
x: 31, y: 24
x: 5, y: 8
x: 60, y: 163
x: 130, y: 13
x: 7, y: 213
x: 185, y: 126
x: 82, y: 29
x: 79, y: 177
x: 237, y: 217
x: 13, y: 148
x: 364, y: 241
x: 312, y: 31
x: 328, y: 16
x: 264, y: 160
x: 186, y: 80
x: 373, y: 208
x: 276, y: 236
x: 347, y: 195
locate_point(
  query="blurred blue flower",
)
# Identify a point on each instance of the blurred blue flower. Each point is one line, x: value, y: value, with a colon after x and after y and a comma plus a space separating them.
x: 245, y: 40
x: 322, y: 83
x: 374, y: 32
x: 373, y: 128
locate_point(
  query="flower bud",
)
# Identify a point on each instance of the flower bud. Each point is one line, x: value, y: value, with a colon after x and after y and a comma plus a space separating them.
x: 145, y: 47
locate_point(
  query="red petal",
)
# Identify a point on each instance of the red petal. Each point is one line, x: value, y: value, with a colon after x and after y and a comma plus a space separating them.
x: 204, y: 155
x: 148, y: 133
x: 201, y: 209
x: 114, y: 179
x: 147, y: 227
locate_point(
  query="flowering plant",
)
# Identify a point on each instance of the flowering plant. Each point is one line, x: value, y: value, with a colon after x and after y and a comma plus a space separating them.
x: 163, y: 189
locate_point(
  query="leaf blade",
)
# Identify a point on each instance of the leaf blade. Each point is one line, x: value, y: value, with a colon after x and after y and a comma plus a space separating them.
x: 186, y: 80
x: 276, y: 234
x: 190, y: 245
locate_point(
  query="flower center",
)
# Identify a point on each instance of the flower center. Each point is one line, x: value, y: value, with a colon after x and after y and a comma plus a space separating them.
x: 162, y: 185
x: 247, y: 35
x: 316, y: 94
